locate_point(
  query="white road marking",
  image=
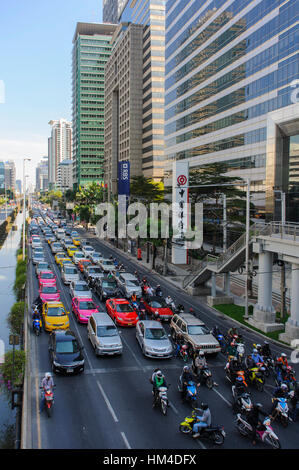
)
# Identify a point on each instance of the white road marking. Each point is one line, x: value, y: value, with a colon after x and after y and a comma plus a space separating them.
x: 107, y: 402
x: 221, y: 396
x: 126, y: 440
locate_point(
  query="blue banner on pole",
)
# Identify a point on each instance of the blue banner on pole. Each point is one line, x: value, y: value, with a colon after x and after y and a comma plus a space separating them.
x: 124, y: 178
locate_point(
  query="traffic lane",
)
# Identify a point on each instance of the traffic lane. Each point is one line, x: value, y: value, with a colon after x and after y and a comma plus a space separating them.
x: 209, y: 317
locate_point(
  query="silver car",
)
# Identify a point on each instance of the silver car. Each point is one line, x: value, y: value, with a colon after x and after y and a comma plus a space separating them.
x: 69, y: 273
x: 107, y: 265
x: 77, y: 256
x: 80, y: 289
x: 153, y: 340
x: 56, y: 247
x: 96, y: 257
x: 37, y: 257
x: 88, y: 250
x: 103, y: 335
x: 42, y: 266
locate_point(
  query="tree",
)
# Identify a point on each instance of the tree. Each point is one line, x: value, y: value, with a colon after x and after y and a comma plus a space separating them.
x: 145, y: 190
x: 87, y: 198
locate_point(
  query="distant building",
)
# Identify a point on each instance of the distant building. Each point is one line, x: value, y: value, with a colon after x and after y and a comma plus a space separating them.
x: 42, y: 175
x: 19, y: 186
x: 2, y: 177
x: 110, y: 11
x: 65, y: 175
x: 59, y: 147
x: 10, y: 175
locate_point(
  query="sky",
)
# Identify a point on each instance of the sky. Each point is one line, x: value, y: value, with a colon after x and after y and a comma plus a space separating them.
x: 35, y: 73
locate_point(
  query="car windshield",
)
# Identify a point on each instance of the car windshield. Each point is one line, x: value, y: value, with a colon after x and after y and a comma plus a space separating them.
x: 156, y: 304
x: 132, y: 283
x: 49, y: 290
x: 94, y: 270
x: 198, y: 330
x: 108, y: 330
x: 56, y: 312
x: 96, y: 255
x: 42, y: 265
x: 47, y: 275
x: 87, y: 305
x: 155, y: 333
x: 81, y: 287
x: 124, y: 308
x: 38, y: 255
x: 79, y: 255
x: 111, y: 284
x: 70, y: 271
x: 105, y: 263
x: 88, y: 248
x: 67, y: 347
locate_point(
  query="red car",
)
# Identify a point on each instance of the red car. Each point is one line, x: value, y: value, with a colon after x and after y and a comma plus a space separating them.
x: 122, y: 312
x: 156, y: 304
x: 83, y: 263
x: 46, y: 278
x: 83, y: 308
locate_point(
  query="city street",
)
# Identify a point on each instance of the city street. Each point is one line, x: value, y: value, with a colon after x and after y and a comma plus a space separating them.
x: 109, y: 406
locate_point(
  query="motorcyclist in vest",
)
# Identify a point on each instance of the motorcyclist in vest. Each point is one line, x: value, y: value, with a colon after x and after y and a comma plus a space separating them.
x: 158, y: 380
x: 203, y: 420
x: 186, y: 377
x: 199, y: 363
x: 253, y: 418
x: 240, y: 387
x: 280, y: 392
x: 280, y: 363
x: 257, y: 358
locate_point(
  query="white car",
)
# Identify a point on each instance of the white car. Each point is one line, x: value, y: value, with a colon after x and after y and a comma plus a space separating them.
x: 88, y: 250
x: 69, y: 273
x: 77, y: 256
x: 80, y: 289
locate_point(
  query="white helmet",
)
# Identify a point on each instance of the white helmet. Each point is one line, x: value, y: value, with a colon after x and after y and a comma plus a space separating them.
x: 48, y: 375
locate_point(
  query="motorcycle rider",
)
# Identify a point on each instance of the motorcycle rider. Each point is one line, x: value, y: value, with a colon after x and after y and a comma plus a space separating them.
x: 216, y: 332
x: 231, y: 351
x: 179, y: 343
x: 158, y: 291
x: 280, y: 392
x: 280, y: 363
x: 249, y: 362
x: 233, y: 367
x: 199, y: 363
x: 38, y: 304
x: 294, y: 394
x: 265, y: 349
x: 47, y: 384
x: 253, y: 418
x: 203, y: 420
x: 158, y: 380
x: 186, y: 377
x: 232, y: 332
x: 256, y: 357
x: 36, y: 316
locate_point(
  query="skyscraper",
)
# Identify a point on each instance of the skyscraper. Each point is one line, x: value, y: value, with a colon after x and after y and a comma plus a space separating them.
x: 110, y: 11
x: 42, y: 175
x: 229, y: 74
x: 59, y: 147
x: 91, y: 50
x: 10, y: 175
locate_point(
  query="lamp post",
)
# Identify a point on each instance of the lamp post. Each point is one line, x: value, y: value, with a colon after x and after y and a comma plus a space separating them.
x: 24, y: 203
x: 247, y: 246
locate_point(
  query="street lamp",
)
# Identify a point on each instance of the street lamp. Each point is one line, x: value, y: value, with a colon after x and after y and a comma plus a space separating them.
x: 24, y: 203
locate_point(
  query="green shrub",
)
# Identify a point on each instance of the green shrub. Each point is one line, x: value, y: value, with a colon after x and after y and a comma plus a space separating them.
x: 16, y: 317
x: 12, y: 376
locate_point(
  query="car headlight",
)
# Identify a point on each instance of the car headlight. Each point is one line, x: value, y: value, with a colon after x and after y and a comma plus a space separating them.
x: 56, y: 364
x: 119, y: 318
x: 80, y: 363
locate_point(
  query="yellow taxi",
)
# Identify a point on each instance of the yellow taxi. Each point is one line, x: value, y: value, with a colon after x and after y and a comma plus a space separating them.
x: 55, y: 316
x: 65, y: 261
x: 76, y: 241
x: 59, y: 256
x: 71, y: 250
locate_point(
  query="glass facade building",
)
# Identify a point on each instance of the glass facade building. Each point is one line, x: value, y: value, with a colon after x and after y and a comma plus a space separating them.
x: 151, y: 15
x: 110, y: 11
x: 91, y: 50
x: 228, y: 66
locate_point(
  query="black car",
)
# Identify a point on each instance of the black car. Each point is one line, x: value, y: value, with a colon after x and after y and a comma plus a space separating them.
x: 65, y: 352
x: 106, y: 288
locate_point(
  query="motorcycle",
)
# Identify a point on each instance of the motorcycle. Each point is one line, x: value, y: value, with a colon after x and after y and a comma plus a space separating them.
x: 288, y: 377
x: 183, y: 352
x: 191, y: 392
x: 256, y: 377
x: 36, y: 325
x: 216, y: 434
x: 242, y: 402
x: 49, y: 401
x: 240, y: 350
x: 269, y: 366
x: 281, y: 411
x: 265, y: 434
x: 178, y: 310
x: 223, y: 344
x: 205, y: 376
x: 161, y: 399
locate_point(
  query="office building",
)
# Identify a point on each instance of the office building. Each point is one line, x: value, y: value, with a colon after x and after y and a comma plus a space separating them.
x: 2, y: 177
x: 19, y: 186
x: 123, y: 103
x: 65, y: 175
x: 59, y: 147
x: 229, y: 91
x: 42, y: 175
x: 110, y: 11
x: 10, y: 175
x: 151, y: 15
x: 91, y: 50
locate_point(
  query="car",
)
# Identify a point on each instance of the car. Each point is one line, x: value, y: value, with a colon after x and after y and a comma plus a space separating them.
x: 83, y: 308
x: 106, y: 288
x: 42, y: 266
x: 38, y: 249
x: 95, y: 257
x: 122, y: 312
x: 56, y: 247
x: 71, y: 250
x: 55, y: 316
x: 59, y: 256
x: 103, y: 335
x: 92, y: 273
x: 76, y: 241
x: 37, y: 257
x: 60, y: 233
x: 77, y: 256
x: 157, y: 304
x: 49, y: 293
x: 46, y: 278
x: 88, y: 250
x: 74, y: 234
x: 67, y: 241
x: 107, y: 265
x: 69, y: 273
x: 153, y: 339
x: 65, y: 261
x: 66, y: 352
x: 51, y: 239
x: 129, y: 284
x: 80, y: 289
x: 36, y: 241
x: 83, y: 263
x: 194, y: 332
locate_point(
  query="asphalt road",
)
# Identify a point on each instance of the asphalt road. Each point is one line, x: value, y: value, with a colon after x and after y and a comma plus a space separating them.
x: 109, y: 406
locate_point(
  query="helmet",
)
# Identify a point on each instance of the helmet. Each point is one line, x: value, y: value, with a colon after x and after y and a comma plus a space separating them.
x: 159, y: 374
x: 266, y: 342
x: 204, y: 406
x: 258, y: 346
x: 186, y: 368
x: 239, y: 379
x: 201, y: 353
x: 185, y: 347
x: 258, y: 405
x: 254, y: 351
x: 48, y: 375
x: 284, y: 386
x: 283, y: 355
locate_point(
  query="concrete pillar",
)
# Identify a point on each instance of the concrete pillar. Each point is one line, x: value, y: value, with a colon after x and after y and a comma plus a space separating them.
x: 227, y: 283
x: 292, y: 325
x: 213, y: 287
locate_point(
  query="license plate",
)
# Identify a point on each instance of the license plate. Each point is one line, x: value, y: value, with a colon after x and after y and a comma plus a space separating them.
x: 70, y: 370
x: 129, y: 324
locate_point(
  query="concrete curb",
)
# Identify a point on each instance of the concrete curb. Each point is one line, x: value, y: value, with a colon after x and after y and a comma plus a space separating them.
x: 213, y: 310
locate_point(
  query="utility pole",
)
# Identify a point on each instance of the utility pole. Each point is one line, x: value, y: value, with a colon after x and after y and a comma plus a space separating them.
x: 24, y: 204
x: 247, y: 247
